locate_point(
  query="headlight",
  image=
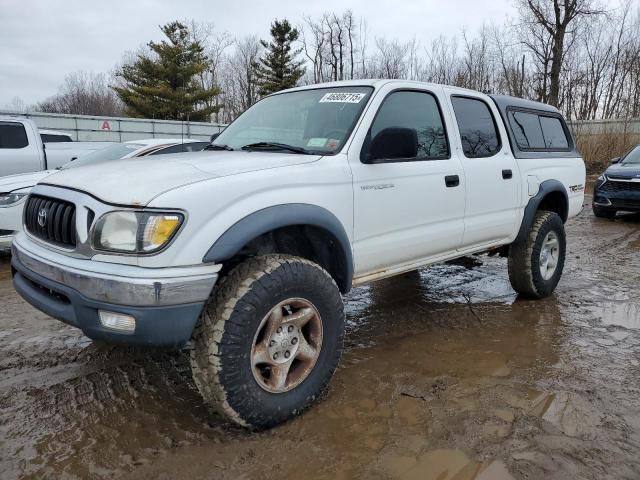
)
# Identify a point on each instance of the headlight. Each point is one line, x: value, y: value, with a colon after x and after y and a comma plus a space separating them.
x: 12, y: 198
x: 135, y: 232
x: 601, y: 179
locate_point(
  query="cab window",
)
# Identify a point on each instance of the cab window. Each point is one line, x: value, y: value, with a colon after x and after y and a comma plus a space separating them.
x: 555, y: 137
x: 415, y: 112
x: 13, y: 135
x: 478, y: 130
x: 526, y: 129
x: 54, y: 138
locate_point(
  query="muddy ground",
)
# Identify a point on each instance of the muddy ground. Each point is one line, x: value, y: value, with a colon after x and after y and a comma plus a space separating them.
x: 446, y: 375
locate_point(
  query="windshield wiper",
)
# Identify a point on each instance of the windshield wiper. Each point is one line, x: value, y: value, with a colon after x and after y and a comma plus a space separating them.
x: 213, y: 146
x: 276, y: 146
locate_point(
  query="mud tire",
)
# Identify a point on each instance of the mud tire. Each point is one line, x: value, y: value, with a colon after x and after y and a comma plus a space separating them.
x: 524, y: 257
x: 603, y: 212
x: 222, y: 341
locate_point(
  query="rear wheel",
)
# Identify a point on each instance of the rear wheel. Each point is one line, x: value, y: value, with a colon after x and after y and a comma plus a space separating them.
x: 269, y: 340
x: 603, y: 212
x: 536, y: 264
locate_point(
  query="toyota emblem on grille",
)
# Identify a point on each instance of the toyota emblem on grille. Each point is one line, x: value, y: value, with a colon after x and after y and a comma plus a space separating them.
x: 42, y: 217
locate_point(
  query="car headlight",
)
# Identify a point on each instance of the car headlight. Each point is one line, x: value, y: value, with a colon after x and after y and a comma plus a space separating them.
x: 12, y: 198
x: 135, y: 232
x: 601, y: 179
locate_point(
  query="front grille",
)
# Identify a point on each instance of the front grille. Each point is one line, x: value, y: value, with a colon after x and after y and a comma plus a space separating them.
x: 51, y: 220
x: 612, y: 185
x: 624, y: 202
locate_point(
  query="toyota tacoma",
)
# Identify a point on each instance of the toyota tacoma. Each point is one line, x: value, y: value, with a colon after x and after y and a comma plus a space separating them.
x: 242, y: 252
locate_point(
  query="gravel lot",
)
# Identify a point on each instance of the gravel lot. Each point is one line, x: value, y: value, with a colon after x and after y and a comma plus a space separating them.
x: 447, y: 375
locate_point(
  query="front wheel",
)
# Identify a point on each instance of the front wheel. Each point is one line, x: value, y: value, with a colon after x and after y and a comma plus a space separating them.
x: 269, y: 340
x: 536, y: 264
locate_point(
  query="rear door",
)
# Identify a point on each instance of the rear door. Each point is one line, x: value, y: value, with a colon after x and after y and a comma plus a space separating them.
x: 19, y: 153
x: 406, y: 209
x: 490, y: 170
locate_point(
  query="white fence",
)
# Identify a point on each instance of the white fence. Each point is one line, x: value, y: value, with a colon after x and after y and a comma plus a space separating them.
x: 85, y: 128
x: 117, y: 129
x: 600, y: 127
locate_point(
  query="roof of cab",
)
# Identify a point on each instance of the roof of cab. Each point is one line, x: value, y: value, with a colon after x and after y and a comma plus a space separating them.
x: 505, y: 101
x: 502, y: 101
x: 367, y: 82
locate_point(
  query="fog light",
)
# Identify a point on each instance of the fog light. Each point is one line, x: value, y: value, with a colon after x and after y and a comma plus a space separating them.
x: 117, y: 321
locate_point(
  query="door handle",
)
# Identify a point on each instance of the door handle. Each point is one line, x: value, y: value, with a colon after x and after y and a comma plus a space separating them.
x: 452, y: 181
x: 507, y: 174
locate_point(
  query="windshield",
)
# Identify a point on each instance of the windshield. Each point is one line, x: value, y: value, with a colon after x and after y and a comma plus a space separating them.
x: 113, y: 152
x: 632, y: 157
x: 310, y: 121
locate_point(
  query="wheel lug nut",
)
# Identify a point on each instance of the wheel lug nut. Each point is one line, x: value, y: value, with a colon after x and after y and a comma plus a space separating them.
x: 290, y: 329
x: 279, y: 330
x: 275, y: 356
x: 294, y: 340
x: 272, y: 343
x: 287, y: 354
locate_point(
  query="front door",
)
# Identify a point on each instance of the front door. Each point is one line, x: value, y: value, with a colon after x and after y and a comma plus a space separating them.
x: 409, y: 207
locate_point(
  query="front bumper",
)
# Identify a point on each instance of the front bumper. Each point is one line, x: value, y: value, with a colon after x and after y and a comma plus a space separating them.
x: 165, y: 308
x: 6, y: 241
x: 618, y: 199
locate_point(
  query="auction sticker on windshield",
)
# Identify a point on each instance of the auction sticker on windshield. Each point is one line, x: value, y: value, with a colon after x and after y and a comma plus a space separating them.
x: 342, y: 97
x: 316, y: 142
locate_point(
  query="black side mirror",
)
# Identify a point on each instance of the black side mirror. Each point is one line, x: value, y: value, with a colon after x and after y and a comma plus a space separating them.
x: 615, y: 160
x: 391, y: 144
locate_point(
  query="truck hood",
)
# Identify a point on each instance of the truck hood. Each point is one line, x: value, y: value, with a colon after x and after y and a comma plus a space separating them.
x: 620, y: 170
x: 137, y: 181
x: 22, y: 180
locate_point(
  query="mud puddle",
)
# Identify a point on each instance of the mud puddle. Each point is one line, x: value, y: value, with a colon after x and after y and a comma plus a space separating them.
x: 447, y: 375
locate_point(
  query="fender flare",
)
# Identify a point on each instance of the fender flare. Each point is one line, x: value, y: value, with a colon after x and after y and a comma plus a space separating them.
x: 546, y: 187
x: 278, y: 216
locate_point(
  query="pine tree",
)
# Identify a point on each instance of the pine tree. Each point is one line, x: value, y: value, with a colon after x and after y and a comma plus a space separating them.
x: 278, y: 69
x: 163, y: 83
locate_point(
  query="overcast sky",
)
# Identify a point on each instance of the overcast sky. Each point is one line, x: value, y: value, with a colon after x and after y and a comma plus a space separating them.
x: 41, y: 41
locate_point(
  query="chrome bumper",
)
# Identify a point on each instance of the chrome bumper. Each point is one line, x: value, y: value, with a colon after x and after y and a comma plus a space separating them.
x: 143, y: 289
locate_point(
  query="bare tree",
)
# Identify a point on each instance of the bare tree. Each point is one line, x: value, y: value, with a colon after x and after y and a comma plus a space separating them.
x: 551, y: 26
x: 390, y: 58
x: 565, y: 52
x: 238, y: 81
x: 216, y: 43
x: 510, y: 61
x: 84, y: 93
x: 331, y: 45
x: 441, y: 60
x: 18, y: 105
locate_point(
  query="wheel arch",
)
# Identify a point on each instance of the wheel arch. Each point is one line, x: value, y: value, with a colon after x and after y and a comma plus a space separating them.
x: 552, y: 196
x: 320, y: 236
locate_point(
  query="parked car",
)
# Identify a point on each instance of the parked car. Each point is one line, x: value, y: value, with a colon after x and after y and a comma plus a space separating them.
x: 618, y: 188
x: 54, y: 136
x: 60, y: 153
x: 142, y: 148
x: 15, y: 188
x: 244, y: 249
x: 22, y: 149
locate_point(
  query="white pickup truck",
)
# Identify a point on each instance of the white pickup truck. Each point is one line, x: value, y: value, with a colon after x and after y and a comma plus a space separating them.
x: 22, y: 149
x: 244, y: 250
